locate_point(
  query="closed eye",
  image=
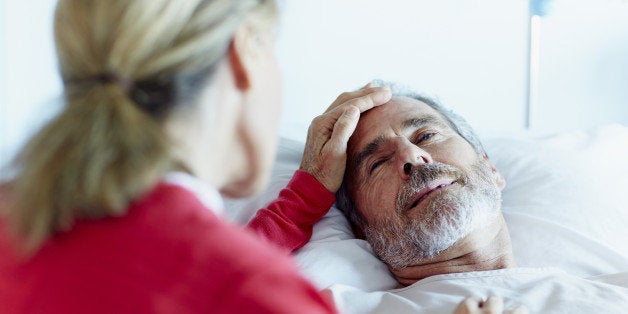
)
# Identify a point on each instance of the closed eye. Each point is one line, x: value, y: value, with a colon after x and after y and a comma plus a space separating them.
x: 376, y: 164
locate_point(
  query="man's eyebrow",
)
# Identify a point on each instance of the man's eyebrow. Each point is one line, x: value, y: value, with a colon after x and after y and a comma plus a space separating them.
x: 418, y: 122
x: 369, y: 150
x: 375, y: 144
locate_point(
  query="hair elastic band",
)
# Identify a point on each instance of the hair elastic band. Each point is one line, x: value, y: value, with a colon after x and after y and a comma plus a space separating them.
x: 105, y: 78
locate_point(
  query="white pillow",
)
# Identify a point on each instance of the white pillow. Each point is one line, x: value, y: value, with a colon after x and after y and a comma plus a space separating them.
x: 565, y: 203
x: 578, y: 180
x: 566, y: 200
x: 286, y: 163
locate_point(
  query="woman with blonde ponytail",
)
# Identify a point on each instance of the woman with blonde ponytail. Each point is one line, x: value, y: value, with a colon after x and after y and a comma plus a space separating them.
x: 115, y: 203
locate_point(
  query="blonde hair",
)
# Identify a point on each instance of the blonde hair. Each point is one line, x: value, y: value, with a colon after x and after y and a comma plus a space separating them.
x: 125, y: 64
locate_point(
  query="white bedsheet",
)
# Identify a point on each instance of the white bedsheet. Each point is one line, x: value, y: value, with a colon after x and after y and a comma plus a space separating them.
x: 333, y: 257
x: 541, y: 290
x: 566, y: 207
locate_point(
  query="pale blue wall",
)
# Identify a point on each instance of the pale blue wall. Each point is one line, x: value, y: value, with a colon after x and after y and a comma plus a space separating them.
x: 469, y: 53
x: 3, y: 114
x: 584, y: 65
x: 29, y: 75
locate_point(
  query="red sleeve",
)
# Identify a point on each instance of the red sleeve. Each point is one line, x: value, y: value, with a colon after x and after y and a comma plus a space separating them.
x: 251, y: 276
x: 288, y: 221
x: 278, y: 289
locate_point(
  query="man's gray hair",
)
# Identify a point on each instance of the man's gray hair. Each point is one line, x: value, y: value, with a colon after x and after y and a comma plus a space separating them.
x: 343, y: 198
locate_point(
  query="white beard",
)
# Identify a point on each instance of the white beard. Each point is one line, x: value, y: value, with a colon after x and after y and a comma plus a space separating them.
x: 402, y: 241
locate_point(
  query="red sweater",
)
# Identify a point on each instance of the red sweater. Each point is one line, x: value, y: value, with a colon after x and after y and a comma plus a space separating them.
x: 170, y: 254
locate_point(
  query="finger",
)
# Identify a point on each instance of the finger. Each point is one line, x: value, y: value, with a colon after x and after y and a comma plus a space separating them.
x: 470, y: 303
x: 344, y: 97
x: 343, y: 128
x: 368, y: 101
x: 520, y: 310
x: 493, y: 304
x: 363, y: 103
x: 320, y: 130
x: 368, y: 85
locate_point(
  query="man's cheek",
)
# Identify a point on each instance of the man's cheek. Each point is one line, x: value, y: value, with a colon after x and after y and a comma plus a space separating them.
x: 381, y: 200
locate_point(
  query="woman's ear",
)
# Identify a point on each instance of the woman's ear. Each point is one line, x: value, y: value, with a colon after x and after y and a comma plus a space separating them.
x: 240, y: 52
x: 255, y: 83
x: 501, y: 182
x: 252, y: 56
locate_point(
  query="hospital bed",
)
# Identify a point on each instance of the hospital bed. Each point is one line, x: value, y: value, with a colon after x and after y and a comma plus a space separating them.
x: 566, y: 206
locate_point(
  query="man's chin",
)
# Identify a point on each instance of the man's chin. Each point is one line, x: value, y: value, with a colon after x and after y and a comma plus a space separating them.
x: 449, y: 218
x: 429, y: 240
x: 417, y: 241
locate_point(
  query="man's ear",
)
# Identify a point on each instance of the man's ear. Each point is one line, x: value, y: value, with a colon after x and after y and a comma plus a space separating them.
x: 501, y: 182
x: 240, y: 53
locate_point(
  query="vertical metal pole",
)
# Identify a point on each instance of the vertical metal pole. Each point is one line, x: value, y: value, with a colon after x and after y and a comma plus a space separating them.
x: 534, y: 40
x: 533, y: 70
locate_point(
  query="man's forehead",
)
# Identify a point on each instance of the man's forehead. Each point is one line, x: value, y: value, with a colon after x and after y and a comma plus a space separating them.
x: 403, y: 102
x: 396, y: 114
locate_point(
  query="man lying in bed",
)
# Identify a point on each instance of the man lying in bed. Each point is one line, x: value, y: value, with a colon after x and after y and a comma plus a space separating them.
x: 558, y: 270
x: 421, y: 190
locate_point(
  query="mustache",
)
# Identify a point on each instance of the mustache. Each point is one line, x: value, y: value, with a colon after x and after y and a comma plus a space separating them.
x: 421, y: 176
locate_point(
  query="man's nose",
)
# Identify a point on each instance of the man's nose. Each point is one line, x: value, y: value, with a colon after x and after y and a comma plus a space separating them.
x: 410, y: 156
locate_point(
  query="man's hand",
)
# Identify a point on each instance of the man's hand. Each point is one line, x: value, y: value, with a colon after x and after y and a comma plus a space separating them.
x: 492, y: 305
x: 325, y: 153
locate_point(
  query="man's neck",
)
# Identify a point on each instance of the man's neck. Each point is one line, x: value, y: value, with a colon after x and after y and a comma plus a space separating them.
x: 485, y: 248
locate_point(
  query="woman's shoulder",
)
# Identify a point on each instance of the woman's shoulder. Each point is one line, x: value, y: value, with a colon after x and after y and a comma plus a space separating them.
x: 169, y: 246
x: 174, y: 213
x: 214, y: 249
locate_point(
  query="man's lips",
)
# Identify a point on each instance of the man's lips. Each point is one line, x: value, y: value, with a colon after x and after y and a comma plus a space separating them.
x: 431, y: 187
